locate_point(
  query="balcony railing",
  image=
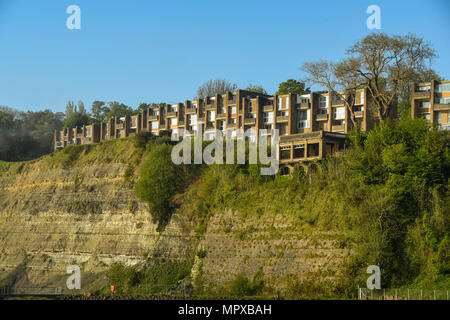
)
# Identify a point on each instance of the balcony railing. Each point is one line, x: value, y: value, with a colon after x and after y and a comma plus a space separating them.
x: 191, y: 110
x: 249, y: 121
x: 268, y: 108
x: 322, y: 117
x: 283, y: 119
x: 232, y: 101
x: 338, y: 128
x: 303, y: 105
x: 422, y: 94
x: 337, y: 103
x: 359, y: 114
x: 171, y: 114
x: 221, y: 116
x: 152, y: 118
x: 442, y: 106
x: 210, y: 107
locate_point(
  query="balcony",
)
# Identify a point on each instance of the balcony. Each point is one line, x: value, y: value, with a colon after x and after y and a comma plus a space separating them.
x: 422, y: 95
x: 221, y: 116
x: 210, y: 107
x: 153, y: 118
x: 249, y: 121
x: 268, y: 108
x: 322, y: 117
x: 338, y: 128
x: 303, y: 105
x: 282, y: 119
x: 172, y: 114
x: 232, y: 101
x: 359, y: 114
x: 442, y: 107
x: 191, y: 110
x: 337, y: 103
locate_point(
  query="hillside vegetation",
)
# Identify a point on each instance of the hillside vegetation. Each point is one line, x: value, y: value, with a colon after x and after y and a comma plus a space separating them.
x: 385, y: 202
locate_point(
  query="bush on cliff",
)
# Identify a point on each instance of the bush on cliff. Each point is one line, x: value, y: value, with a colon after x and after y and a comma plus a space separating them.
x: 160, y: 179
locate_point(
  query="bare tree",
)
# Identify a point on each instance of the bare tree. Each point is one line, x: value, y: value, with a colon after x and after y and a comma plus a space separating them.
x: 385, y: 64
x: 213, y: 87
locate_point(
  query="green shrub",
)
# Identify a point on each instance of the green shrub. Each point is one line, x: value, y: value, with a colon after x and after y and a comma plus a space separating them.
x: 159, y: 180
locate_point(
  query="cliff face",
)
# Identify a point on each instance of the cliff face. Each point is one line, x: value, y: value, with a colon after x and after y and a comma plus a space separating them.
x: 64, y: 209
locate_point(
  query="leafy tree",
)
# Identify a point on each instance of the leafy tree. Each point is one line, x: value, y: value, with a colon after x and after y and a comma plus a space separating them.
x: 292, y: 86
x: 27, y: 135
x: 213, y: 87
x: 70, y: 108
x: 76, y: 119
x: 99, y: 110
x: 117, y: 109
x: 384, y: 64
x: 159, y: 181
x: 81, y: 108
x: 256, y: 88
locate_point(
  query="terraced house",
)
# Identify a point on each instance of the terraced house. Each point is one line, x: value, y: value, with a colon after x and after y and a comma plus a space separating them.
x: 311, y: 126
x: 431, y: 100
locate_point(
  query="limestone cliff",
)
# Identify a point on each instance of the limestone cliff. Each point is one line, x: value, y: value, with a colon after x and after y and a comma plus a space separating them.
x: 79, y: 209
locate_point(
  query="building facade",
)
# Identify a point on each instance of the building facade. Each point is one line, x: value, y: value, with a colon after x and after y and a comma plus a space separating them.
x: 311, y: 126
x: 431, y: 100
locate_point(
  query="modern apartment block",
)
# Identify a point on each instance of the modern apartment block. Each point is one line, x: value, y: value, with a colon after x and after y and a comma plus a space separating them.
x: 431, y: 100
x: 311, y: 126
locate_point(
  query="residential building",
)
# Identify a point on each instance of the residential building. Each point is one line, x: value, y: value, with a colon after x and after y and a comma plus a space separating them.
x: 431, y: 100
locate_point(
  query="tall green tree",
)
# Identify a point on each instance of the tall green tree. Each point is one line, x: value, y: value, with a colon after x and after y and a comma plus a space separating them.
x: 99, y: 111
x: 292, y: 86
x: 117, y: 109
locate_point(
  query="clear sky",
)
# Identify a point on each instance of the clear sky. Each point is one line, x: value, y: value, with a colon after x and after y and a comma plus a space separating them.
x: 161, y: 51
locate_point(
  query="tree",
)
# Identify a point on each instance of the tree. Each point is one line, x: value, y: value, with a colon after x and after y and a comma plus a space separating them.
x: 256, y: 88
x: 117, y: 109
x: 159, y: 180
x: 292, y: 86
x: 213, y: 87
x: 27, y: 135
x: 142, y: 107
x: 99, y: 110
x: 70, y: 108
x: 76, y: 119
x: 384, y: 64
x: 81, y: 108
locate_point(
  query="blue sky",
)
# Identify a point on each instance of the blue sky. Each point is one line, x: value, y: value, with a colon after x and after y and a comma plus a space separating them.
x: 161, y: 51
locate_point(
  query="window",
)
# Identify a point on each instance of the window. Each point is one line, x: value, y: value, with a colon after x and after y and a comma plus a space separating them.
x: 339, y: 113
x: 443, y: 87
x: 233, y: 120
x: 362, y: 96
x: 154, y: 125
x: 268, y: 117
x: 442, y: 100
x: 303, y: 119
x: 173, y: 122
x: 221, y: 125
x: 192, y: 119
x: 438, y: 117
x: 425, y: 104
x: 427, y: 116
x: 232, y: 110
x: 250, y: 107
x: 284, y: 113
x: 211, y: 115
x: 323, y: 102
x: 424, y: 88
x: 280, y: 103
